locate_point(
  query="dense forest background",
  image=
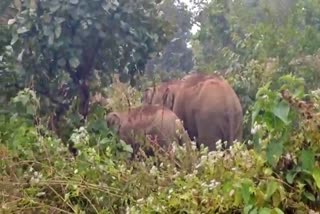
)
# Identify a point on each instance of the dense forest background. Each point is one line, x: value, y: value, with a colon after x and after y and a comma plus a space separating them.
x: 65, y: 63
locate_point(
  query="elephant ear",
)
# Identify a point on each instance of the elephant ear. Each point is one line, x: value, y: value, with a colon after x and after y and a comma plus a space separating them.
x: 147, y: 96
x: 113, y: 121
x: 168, y: 98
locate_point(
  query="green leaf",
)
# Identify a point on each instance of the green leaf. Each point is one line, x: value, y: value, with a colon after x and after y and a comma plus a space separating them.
x: 54, y: 8
x: 272, y: 186
x: 126, y: 147
x: 274, y: 151
x: 307, y: 159
x: 106, y: 7
x: 19, y: 58
x: 316, y: 176
x: 238, y: 198
x: 245, y: 190
x: 247, y: 209
x: 22, y: 30
x: 250, y: 209
x: 74, y: 62
x: 265, y: 210
x: 31, y: 110
x: 278, y: 211
x: 104, y: 141
x: 290, y: 177
x: 282, y: 111
x: 309, y: 196
x: 23, y: 99
x: 51, y: 39
x: 14, y: 39
x: 57, y: 31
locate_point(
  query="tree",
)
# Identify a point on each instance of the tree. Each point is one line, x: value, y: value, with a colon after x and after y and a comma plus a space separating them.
x: 224, y: 23
x: 176, y: 56
x: 60, y: 45
x: 255, y: 42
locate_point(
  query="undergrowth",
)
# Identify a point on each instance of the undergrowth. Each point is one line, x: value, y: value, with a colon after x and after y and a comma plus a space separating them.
x: 278, y: 173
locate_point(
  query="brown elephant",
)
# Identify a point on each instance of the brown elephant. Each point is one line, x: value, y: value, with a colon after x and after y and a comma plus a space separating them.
x: 207, y: 105
x: 195, y: 78
x: 154, y: 95
x: 160, y: 123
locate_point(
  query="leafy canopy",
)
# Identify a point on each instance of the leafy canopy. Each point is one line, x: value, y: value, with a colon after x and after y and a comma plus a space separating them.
x: 63, y: 46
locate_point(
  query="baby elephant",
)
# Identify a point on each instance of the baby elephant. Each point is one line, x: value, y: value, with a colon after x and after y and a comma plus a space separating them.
x: 155, y: 121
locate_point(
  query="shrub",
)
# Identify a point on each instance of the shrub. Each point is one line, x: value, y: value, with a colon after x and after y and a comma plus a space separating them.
x: 279, y: 174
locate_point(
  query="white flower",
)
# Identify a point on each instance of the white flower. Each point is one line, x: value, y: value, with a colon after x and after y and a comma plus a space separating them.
x: 225, y: 143
x: 140, y: 200
x: 170, y: 191
x: 11, y: 21
x: 204, y: 158
x: 176, y: 175
x: 31, y: 169
x: 153, y: 170
x: 82, y: 129
x: 288, y: 156
x: 193, y: 147
x: 34, y: 180
x: 150, y: 199
x: 250, y: 142
x: 219, y: 145
x: 256, y: 127
x: 39, y: 194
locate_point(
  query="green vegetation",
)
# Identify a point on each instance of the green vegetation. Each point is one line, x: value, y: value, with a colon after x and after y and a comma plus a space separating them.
x: 57, y: 60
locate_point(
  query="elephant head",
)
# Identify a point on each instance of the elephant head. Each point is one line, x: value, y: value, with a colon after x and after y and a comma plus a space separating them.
x: 154, y: 121
x: 154, y: 95
x: 168, y: 98
x: 114, y: 121
x: 146, y: 98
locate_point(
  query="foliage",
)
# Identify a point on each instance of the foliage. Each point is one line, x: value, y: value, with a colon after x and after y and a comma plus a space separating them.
x: 176, y: 56
x: 62, y: 47
x: 4, y: 5
x: 280, y: 175
x: 271, y: 60
x: 251, y: 44
x: 122, y: 96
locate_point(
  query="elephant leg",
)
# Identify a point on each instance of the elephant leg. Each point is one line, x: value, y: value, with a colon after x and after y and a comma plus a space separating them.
x: 209, y: 139
x: 192, y: 133
x: 189, y: 125
x: 209, y: 131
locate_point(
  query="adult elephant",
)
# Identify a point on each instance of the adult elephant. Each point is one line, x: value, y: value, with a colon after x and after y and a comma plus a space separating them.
x: 160, y: 123
x: 207, y: 105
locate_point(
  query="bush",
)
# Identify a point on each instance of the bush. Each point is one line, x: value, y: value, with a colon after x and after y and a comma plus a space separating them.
x: 279, y: 175
x: 272, y: 63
